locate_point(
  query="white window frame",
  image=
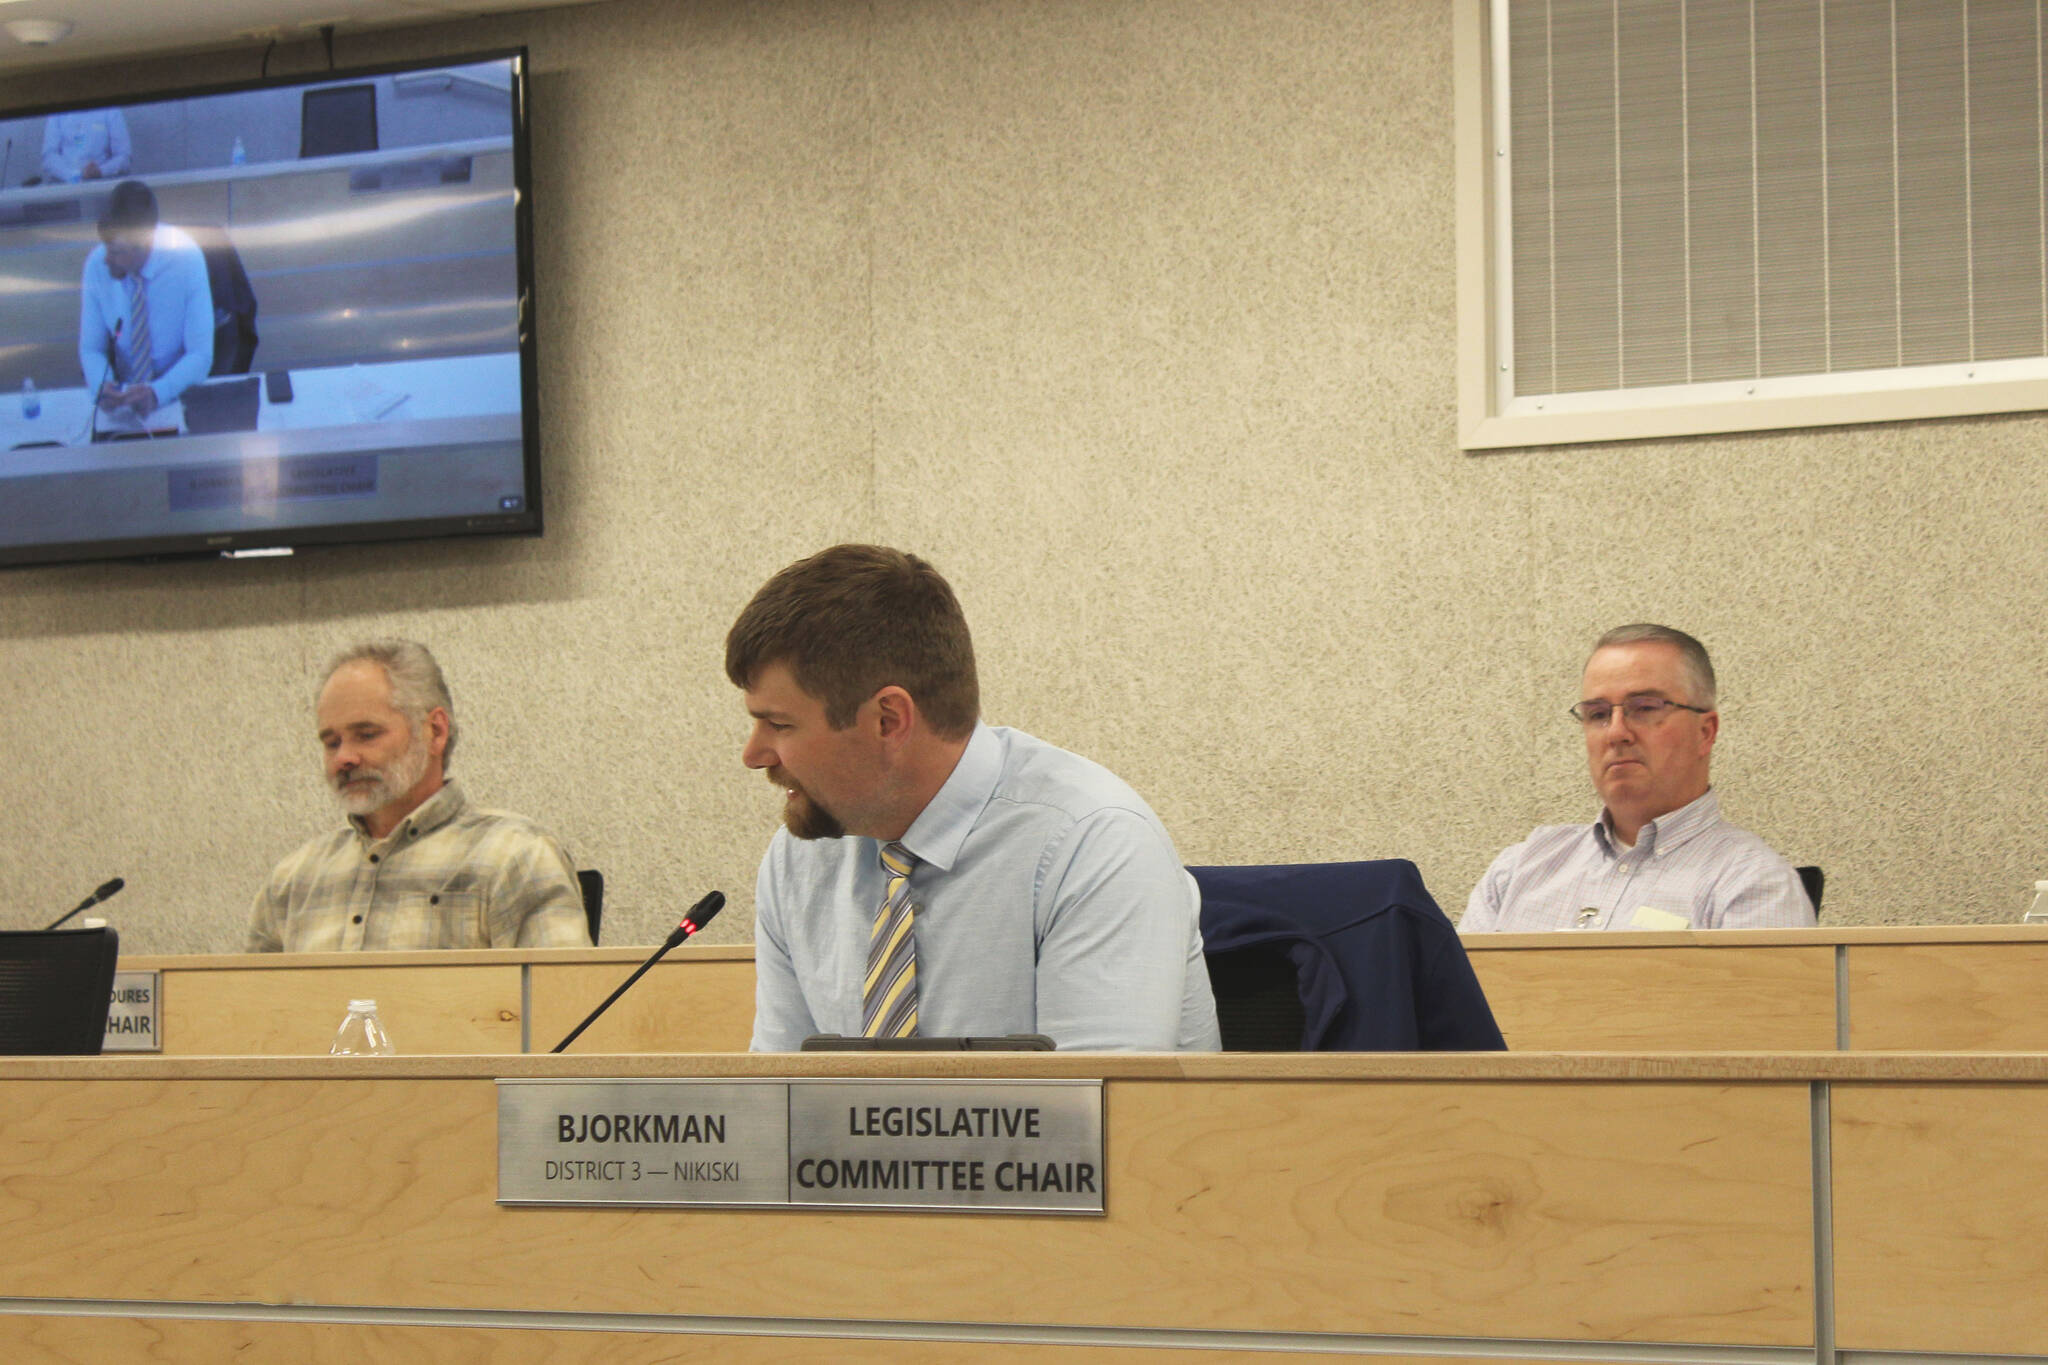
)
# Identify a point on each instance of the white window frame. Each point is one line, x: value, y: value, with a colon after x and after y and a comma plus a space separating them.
x: 1491, y: 418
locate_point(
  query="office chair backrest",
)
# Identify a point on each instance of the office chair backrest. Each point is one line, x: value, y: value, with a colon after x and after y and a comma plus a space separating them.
x: 55, y: 988
x: 592, y: 882
x: 338, y: 119
x: 1815, y: 881
x: 1376, y: 965
x: 1258, y: 999
x: 234, y: 301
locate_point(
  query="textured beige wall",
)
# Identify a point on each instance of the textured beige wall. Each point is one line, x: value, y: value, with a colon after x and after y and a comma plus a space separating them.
x: 1136, y: 317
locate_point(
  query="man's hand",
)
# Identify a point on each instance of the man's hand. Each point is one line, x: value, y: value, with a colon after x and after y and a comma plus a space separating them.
x: 91, y: 171
x: 137, y: 398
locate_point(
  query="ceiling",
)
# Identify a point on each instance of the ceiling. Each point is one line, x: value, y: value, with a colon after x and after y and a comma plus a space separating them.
x: 103, y: 30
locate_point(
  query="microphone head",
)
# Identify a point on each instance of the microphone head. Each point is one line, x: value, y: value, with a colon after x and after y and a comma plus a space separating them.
x: 108, y: 889
x: 704, y: 911
x: 696, y: 917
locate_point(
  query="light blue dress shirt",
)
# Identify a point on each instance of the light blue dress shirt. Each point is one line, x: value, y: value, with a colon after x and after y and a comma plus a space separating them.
x: 84, y: 137
x: 180, y: 315
x: 1050, y: 900
x: 1689, y: 869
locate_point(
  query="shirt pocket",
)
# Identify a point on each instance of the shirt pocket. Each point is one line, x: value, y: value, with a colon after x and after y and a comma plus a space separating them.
x: 439, y: 919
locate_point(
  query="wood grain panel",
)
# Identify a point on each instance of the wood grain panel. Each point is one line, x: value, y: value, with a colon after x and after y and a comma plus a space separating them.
x: 74, y: 237
x: 93, y: 1341
x: 203, y: 202
x: 688, y: 1006
x: 53, y: 270
x: 303, y: 219
x: 55, y: 359
x: 295, y: 1011
x: 412, y: 290
x: 1632, y: 1212
x: 1949, y: 997
x: 1662, y: 999
x: 1374, y: 1068
x: 1648, y: 1212
x: 1940, y: 1198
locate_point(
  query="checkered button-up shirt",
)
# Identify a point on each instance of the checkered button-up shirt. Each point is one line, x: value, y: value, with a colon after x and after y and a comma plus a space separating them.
x: 1689, y: 869
x: 449, y: 876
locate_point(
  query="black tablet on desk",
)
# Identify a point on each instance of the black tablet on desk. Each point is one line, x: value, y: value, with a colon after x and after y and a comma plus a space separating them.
x: 224, y: 405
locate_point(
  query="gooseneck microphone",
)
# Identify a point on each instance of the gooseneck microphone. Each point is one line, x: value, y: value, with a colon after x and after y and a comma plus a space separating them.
x: 694, y: 919
x: 106, y: 890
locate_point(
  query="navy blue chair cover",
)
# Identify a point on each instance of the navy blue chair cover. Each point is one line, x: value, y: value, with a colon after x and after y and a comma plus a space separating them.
x: 1378, y: 967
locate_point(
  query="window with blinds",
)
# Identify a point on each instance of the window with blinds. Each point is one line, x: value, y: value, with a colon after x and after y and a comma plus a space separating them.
x: 1708, y: 201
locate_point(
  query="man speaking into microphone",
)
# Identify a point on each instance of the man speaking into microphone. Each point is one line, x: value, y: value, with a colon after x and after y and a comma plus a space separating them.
x: 145, y: 325
x: 937, y: 876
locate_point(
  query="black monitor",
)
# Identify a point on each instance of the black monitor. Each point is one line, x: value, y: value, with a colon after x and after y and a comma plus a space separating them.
x: 56, y: 986
x: 335, y: 120
x: 333, y: 339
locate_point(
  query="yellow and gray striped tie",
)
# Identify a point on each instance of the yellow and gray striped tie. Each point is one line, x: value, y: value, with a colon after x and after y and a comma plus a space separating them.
x: 888, y: 997
x: 140, y: 364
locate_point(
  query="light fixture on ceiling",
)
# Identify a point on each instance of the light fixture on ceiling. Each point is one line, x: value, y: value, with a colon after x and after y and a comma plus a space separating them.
x: 39, y: 32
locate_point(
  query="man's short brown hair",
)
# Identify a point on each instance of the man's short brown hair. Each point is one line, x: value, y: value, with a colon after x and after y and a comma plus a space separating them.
x: 854, y: 619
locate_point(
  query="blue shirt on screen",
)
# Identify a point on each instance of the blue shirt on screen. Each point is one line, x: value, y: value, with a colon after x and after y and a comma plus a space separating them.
x: 86, y: 137
x: 180, y: 315
x: 1050, y: 900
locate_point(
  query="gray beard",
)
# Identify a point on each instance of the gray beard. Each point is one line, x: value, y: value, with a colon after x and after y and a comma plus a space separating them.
x: 386, y: 784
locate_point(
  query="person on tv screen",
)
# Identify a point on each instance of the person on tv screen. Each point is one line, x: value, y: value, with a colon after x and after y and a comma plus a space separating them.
x: 1660, y: 856
x: 85, y: 144
x: 145, y: 320
x: 416, y: 866
x: 936, y: 876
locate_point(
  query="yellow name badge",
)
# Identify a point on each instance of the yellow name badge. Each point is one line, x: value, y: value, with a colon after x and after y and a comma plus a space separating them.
x: 1649, y: 917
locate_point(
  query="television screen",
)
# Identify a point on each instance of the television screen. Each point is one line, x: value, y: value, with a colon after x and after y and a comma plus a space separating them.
x: 270, y: 315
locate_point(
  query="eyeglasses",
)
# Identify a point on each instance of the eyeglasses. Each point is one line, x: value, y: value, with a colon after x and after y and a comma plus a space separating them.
x: 1638, y: 711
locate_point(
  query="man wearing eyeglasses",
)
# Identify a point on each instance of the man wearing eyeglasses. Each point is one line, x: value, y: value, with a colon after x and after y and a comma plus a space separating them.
x: 1659, y: 856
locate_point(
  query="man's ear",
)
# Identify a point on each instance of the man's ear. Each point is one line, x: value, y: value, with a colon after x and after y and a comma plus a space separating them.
x: 437, y: 731
x: 1710, y: 726
x: 895, y: 713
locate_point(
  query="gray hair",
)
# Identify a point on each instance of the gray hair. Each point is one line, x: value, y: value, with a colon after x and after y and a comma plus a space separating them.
x: 1699, y: 669
x: 417, y: 686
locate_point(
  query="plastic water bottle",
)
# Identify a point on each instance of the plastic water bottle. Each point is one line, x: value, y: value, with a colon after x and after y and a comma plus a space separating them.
x: 361, y: 1034
x: 240, y: 155
x: 31, y: 401
x: 2037, y: 913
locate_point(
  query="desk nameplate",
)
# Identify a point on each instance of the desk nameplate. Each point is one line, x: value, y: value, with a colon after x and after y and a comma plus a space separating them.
x: 135, y: 1015
x: 643, y: 1142
x: 962, y: 1145
x: 985, y: 1146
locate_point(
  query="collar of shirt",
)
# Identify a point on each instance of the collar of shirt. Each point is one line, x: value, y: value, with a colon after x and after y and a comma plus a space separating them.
x: 1668, y: 831
x: 432, y: 813
x: 944, y: 824
x: 153, y: 265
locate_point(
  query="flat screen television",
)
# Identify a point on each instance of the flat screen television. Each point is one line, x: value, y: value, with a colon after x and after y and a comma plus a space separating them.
x: 256, y: 317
